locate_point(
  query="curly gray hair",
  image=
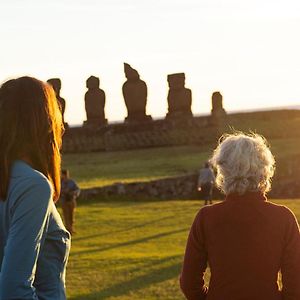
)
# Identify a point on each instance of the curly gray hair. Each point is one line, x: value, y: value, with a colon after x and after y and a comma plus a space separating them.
x: 244, y: 163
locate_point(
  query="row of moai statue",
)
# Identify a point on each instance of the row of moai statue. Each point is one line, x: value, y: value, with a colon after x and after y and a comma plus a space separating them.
x: 135, y: 97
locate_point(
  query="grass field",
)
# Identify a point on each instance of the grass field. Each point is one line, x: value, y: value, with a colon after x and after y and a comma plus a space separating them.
x: 131, y: 250
x: 104, y: 168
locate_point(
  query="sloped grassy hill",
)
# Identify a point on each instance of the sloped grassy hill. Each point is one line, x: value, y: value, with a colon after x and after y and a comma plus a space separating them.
x: 281, y: 128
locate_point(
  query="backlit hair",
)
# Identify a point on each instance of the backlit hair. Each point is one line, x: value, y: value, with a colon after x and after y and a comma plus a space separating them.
x: 31, y: 127
x: 244, y: 163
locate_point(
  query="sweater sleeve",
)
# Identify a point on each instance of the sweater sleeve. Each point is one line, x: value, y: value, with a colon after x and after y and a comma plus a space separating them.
x: 290, y: 268
x: 29, y: 217
x: 195, y: 263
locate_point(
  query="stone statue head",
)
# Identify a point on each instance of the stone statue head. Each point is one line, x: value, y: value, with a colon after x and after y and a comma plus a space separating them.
x: 217, y: 97
x: 130, y: 73
x: 93, y: 82
x: 176, y: 81
x: 217, y: 101
x: 56, y: 84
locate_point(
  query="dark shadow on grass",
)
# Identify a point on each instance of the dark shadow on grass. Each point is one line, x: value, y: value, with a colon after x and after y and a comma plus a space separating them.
x: 122, y: 230
x: 151, y: 263
x: 134, y: 284
x: 133, y: 242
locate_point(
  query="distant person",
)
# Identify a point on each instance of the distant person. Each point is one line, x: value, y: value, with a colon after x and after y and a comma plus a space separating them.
x: 246, y: 240
x: 69, y: 193
x: 206, y: 182
x: 34, y: 244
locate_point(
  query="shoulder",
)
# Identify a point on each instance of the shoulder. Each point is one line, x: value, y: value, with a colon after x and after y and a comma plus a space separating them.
x: 28, y: 183
x: 22, y: 172
x: 280, y: 214
x: 88, y: 93
x: 71, y: 182
x: 38, y: 183
x: 98, y: 92
x: 280, y: 210
x: 209, y: 210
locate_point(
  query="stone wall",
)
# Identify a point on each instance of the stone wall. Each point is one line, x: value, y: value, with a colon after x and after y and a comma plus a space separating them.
x: 181, y: 187
x: 78, y: 140
x: 184, y: 187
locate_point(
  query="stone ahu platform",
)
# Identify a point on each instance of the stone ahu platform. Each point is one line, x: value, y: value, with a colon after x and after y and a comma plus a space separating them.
x: 134, y: 135
x: 173, y: 132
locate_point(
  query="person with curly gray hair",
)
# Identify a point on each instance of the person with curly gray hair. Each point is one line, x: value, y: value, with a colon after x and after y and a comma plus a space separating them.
x: 246, y: 240
x: 244, y: 163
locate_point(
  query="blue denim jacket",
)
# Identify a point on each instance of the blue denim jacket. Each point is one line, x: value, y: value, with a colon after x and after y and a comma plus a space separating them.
x: 34, y: 244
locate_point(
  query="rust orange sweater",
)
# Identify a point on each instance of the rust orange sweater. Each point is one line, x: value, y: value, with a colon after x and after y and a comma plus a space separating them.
x: 245, y: 240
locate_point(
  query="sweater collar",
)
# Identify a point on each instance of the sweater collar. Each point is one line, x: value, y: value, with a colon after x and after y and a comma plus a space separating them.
x: 19, y: 168
x: 246, y: 197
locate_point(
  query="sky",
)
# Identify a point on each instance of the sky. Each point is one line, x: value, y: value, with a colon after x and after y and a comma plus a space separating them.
x: 249, y: 50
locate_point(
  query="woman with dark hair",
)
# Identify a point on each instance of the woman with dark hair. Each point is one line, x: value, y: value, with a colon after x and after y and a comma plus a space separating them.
x: 34, y: 244
x: 246, y: 240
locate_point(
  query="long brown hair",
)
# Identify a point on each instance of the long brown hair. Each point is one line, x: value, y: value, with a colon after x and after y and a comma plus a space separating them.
x: 30, y: 126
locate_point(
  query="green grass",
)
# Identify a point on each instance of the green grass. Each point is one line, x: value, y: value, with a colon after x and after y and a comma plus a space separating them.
x: 131, y: 250
x: 105, y: 168
x: 271, y: 125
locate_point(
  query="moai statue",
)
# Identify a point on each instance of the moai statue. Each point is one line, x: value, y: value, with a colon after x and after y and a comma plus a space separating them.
x: 179, y: 97
x: 56, y: 84
x: 218, y: 113
x: 94, y: 103
x: 135, y: 96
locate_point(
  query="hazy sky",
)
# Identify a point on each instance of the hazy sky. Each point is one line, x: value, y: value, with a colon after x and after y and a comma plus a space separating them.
x: 247, y: 49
